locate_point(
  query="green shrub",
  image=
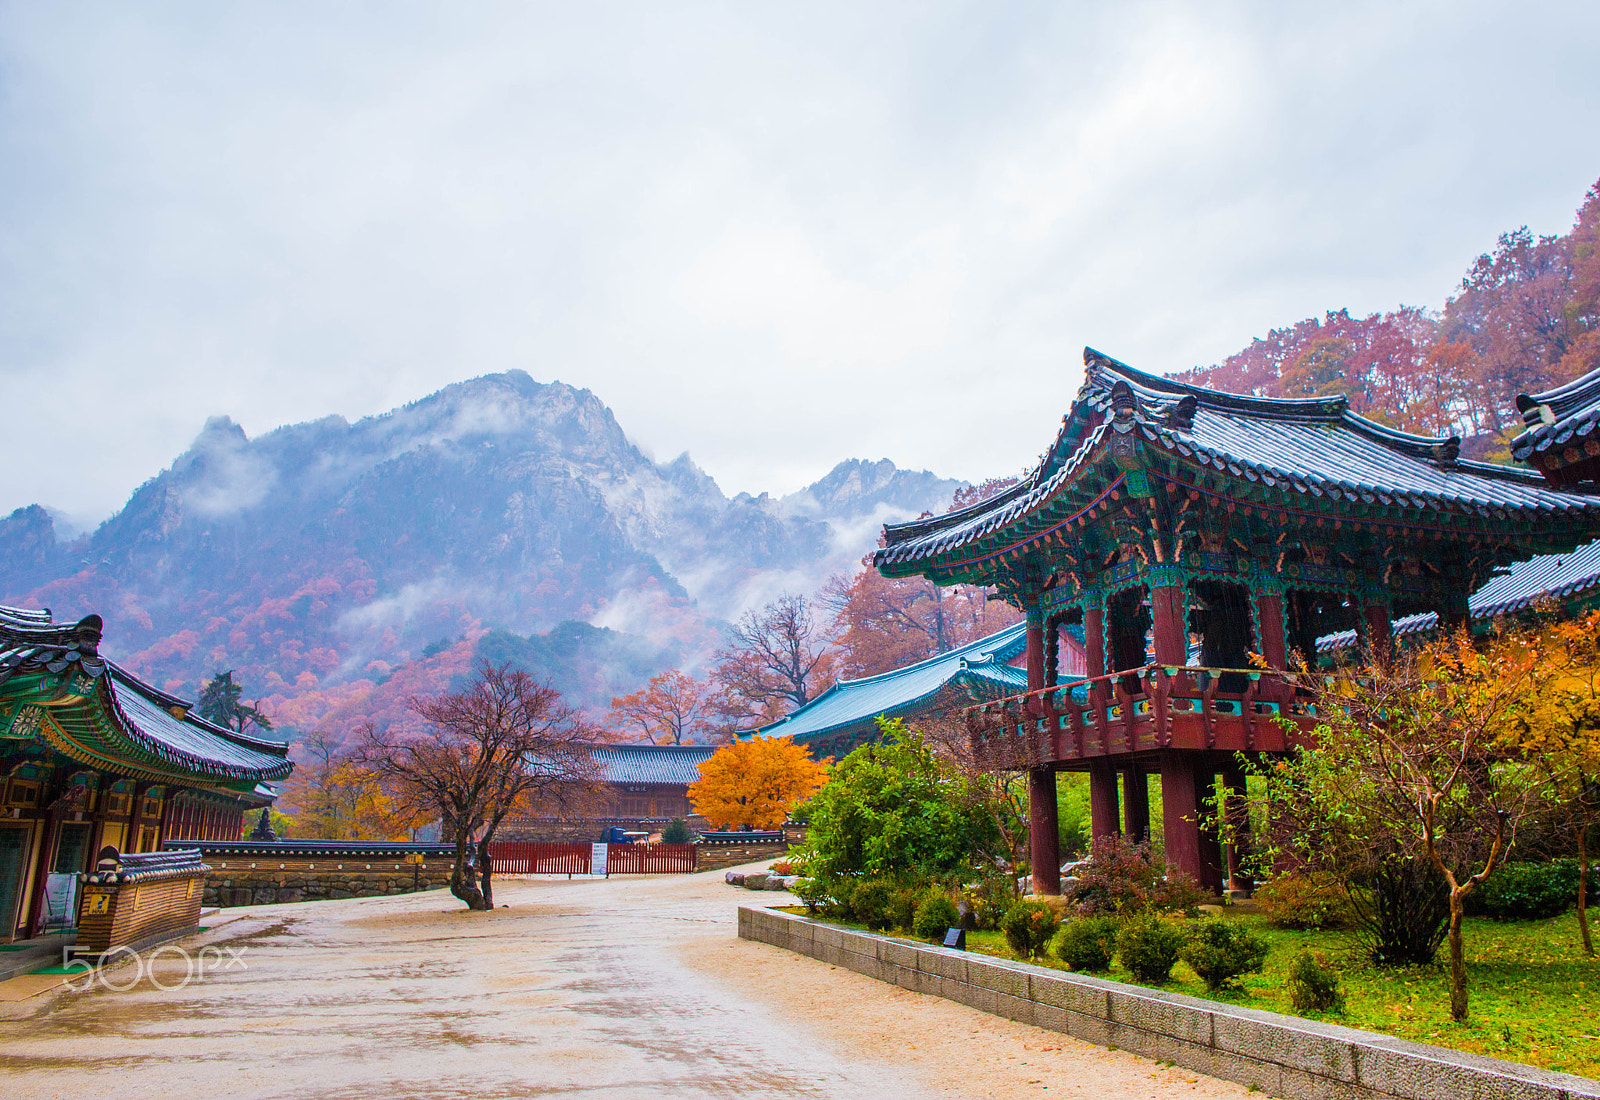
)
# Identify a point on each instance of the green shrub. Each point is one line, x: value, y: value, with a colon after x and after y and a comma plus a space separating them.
x: 1088, y: 943
x: 676, y: 832
x: 935, y: 914
x: 1148, y: 947
x: 1304, y: 902
x: 1527, y: 891
x: 870, y: 903
x: 1028, y: 926
x: 989, y: 899
x: 1221, y: 951
x: 903, y: 901
x: 815, y: 894
x: 1313, y: 985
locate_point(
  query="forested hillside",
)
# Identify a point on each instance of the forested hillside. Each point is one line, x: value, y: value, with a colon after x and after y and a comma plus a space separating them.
x: 322, y: 560
x: 1526, y: 316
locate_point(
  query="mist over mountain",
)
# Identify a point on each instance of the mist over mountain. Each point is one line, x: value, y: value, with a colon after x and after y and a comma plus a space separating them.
x: 327, y: 554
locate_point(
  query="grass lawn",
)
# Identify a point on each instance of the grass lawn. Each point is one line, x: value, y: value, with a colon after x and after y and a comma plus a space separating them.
x: 1534, y: 997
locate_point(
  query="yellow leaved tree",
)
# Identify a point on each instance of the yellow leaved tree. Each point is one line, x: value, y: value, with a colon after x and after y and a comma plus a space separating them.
x: 1556, y: 728
x: 755, y: 782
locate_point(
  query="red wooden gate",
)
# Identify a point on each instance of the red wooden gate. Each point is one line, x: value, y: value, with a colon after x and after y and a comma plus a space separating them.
x: 650, y: 859
x: 521, y: 857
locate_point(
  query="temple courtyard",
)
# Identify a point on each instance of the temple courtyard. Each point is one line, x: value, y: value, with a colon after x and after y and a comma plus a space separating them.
x: 627, y: 987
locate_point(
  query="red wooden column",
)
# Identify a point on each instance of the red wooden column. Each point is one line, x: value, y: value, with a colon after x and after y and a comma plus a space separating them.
x: 1180, y: 814
x: 1375, y: 625
x: 1102, y: 798
x: 1269, y: 614
x: 1169, y: 605
x: 1135, y: 805
x: 1044, y: 841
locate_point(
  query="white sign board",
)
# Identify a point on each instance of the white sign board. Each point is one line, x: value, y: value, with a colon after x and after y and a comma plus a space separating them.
x: 597, y: 859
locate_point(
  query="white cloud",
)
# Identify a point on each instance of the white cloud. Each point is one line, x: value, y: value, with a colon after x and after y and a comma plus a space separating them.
x: 774, y: 239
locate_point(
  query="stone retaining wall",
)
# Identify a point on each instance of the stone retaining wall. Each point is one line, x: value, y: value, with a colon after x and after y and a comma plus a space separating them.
x: 714, y: 855
x: 1281, y: 1055
x: 261, y: 881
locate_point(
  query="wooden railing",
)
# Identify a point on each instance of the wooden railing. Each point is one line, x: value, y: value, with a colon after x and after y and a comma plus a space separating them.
x: 1140, y: 710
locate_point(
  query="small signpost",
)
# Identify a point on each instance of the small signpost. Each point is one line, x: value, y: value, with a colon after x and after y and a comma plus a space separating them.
x: 597, y: 860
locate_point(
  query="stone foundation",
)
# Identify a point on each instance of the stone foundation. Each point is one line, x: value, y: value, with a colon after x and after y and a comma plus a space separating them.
x: 716, y: 854
x: 262, y: 882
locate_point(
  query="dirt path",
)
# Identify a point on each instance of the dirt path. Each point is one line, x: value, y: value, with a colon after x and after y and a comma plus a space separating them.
x: 632, y: 987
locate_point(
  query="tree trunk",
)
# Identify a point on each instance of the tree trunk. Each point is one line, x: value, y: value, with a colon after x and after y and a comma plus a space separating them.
x: 1583, y: 889
x: 485, y: 872
x: 1458, y: 961
x: 462, y: 876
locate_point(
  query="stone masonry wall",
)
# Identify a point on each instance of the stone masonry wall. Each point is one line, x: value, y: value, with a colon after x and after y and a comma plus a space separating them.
x: 714, y: 856
x: 1283, y: 1056
x: 258, y: 881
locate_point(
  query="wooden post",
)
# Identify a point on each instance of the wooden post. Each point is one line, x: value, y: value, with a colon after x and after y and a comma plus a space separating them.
x: 1168, y: 604
x: 1180, y: 816
x: 1135, y: 805
x: 1102, y: 798
x: 1044, y: 841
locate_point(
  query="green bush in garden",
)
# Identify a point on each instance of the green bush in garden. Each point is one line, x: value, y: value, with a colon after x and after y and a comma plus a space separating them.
x: 1028, y: 926
x: 1148, y: 947
x: 1088, y: 943
x: 1313, y: 985
x: 871, y: 901
x: 935, y: 915
x: 1303, y: 902
x: 1221, y: 952
x: 1527, y: 891
x: 903, y: 901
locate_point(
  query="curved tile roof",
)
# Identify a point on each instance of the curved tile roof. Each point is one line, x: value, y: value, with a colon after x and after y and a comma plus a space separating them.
x: 1552, y: 576
x: 1558, y: 418
x: 652, y: 763
x: 112, y: 718
x: 850, y: 703
x: 1316, y: 448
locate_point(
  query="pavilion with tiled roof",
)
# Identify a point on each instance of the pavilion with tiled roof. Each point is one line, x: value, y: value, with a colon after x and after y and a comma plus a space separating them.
x: 1163, y: 513
x: 93, y: 757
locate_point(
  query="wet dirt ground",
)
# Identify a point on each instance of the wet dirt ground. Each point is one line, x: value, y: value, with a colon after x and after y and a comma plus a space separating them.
x: 628, y: 987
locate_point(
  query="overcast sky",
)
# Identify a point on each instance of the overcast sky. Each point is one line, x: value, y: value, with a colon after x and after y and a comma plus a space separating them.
x: 774, y: 237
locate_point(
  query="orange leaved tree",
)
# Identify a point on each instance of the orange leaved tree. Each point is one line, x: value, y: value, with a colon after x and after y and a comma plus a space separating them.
x: 672, y: 709
x: 755, y: 782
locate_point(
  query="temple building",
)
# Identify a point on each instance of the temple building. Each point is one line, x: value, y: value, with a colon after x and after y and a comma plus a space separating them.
x: 1165, y: 518
x: 92, y: 757
x: 845, y: 716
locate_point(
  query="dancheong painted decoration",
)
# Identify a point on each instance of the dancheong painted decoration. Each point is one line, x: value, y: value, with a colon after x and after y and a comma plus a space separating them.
x: 1165, y: 518
x: 91, y: 757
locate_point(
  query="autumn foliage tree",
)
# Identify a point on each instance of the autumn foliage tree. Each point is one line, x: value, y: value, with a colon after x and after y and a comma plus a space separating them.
x: 1556, y: 728
x: 504, y: 744
x: 1408, y: 773
x: 671, y: 709
x: 1525, y: 317
x: 332, y: 795
x: 883, y: 623
x: 755, y: 782
x: 776, y: 659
